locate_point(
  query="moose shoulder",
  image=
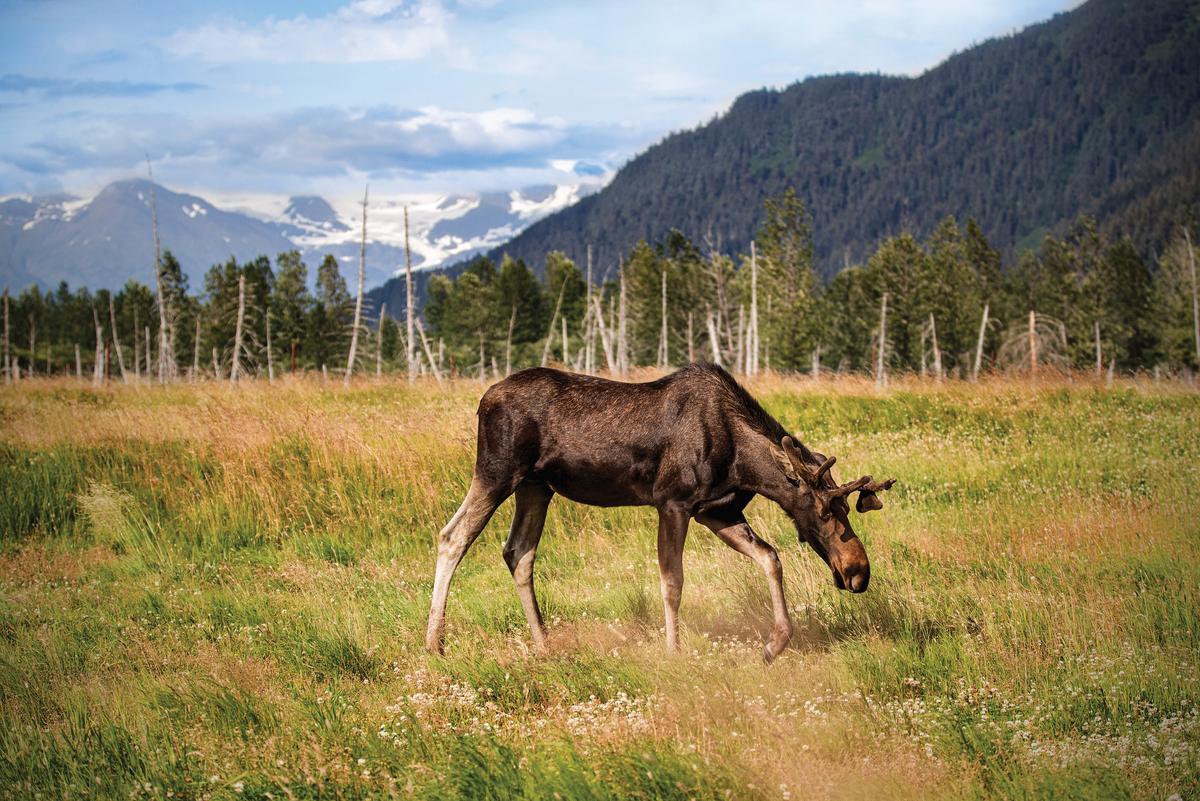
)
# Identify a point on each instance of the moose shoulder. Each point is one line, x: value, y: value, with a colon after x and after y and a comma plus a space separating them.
x: 694, y: 444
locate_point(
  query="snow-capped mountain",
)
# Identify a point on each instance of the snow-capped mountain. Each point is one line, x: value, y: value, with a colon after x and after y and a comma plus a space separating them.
x: 105, y: 240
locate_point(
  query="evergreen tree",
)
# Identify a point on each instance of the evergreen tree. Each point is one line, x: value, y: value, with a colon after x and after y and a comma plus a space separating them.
x: 291, y: 304
x: 785, y: 255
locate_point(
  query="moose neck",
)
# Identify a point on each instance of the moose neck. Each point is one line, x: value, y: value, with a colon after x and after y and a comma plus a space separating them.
x: 759, y: 473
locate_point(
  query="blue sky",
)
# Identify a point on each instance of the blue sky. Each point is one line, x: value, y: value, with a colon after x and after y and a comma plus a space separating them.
x: 421, y: 96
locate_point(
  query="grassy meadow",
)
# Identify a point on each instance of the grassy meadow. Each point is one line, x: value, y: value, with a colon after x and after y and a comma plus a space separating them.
x: 216, y: 593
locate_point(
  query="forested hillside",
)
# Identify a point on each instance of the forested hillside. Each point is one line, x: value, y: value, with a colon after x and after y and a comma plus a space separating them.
x: 1096, y: 111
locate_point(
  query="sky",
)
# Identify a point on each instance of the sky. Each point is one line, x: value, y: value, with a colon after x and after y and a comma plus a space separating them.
x: 432, y: 96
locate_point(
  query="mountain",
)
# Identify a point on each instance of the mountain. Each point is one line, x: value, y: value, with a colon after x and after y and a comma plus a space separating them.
x: 105, y: 240
x: 1095, y: 111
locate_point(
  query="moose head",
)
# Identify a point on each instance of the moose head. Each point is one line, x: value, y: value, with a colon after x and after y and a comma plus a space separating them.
x: 821, y: 513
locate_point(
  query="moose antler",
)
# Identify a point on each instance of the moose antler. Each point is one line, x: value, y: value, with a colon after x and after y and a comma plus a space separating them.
x: 796, y: 468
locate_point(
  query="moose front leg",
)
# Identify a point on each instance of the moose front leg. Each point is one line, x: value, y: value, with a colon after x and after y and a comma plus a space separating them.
x: 737, y: 534
x: 672, y: 531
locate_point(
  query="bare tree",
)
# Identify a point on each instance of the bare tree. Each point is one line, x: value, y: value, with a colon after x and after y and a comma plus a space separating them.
x: 929, y: 334
x: 435, y: 366
x: 270, y: 356
x: 379, y: 340
x: 1099, y: 355
x: 78, y: 362
x: 1041, y: 339
x: 979, y: 344
x: 622, y: 324
x: 112, y: 319
x: 691, y: 341
x: 881, y: 348
x: 98, y: 370
x: 362, y: 266
x: 752, y: 367
x: 605, y: 340
x: 137, y: 349
x: 7, y: 348
x: 32, y: 345
x: 195, y: 350
x: 512, y: 320
x: 553, y: 321
x: 664, y: 354
x: 235, y: 370
x: 166, y: 354
x: 410, y: 343
x: 714, y: 340
x: 1195, y: 298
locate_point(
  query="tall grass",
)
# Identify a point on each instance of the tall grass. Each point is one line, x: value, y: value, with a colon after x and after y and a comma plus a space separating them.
x: 216, y: 593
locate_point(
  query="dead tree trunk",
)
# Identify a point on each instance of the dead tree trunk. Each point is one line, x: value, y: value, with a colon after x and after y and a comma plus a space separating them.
x: 32, y: 346
x: 691, y: 343
x: 816, y: 361
x: 512, y: 320
x: 482, y: 360
x: 196, y: 351
x: 553, y: 321
x: 937, y: 352
x: 270, y: 357
x: 149, y: 363
x: 78, y: 362
x: 379, y: 341
x: 664, y: 358
x: 235, y: 371
x: 1033, y: 354
x: 753, y: 365
x: 7, y: 348
x: 1195, y: 297
x: 362, y: 266
x: 216, y: 364
x: 137, y: 348
x: 881, y: 361
x: 1099, y: 355
x: 410, y: 352
x: 605, y: 339
x: 589, y: 339
x: 435, y: 366
x: 740, y: 359
x: 166, y: 355
x: 622, y: 316
x: 112, y: 319
x: 714, y: 341
x: 98, y: 369
x: 979, y: 344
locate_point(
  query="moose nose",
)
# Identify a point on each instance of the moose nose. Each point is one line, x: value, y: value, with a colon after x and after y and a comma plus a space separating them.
x: 853, y: 577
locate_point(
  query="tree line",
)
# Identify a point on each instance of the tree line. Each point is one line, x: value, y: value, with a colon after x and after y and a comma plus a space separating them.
x: 942, y: 306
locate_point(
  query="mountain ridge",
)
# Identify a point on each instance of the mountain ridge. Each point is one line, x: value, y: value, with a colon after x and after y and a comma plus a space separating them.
x: 1096, y: 110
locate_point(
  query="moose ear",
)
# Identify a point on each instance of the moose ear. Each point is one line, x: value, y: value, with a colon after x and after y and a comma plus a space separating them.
x: 868, y: 502
x: 785, y: 464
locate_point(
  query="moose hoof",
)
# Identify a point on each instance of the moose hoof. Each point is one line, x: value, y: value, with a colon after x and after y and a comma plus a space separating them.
x: 775, y: 646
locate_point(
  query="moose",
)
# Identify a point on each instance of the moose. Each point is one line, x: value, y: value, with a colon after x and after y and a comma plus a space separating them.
x: 694, y: 445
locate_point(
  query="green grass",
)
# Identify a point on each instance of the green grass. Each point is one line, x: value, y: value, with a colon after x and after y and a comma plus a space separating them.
x: 207, y: 593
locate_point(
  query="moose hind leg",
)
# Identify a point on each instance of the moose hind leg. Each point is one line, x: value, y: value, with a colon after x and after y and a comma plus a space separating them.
x: 532, y: 500
x: 453, y: 542
x: 738, y: 535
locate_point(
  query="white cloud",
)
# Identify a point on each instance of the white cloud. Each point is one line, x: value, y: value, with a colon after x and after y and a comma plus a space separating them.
x: 365, y: 30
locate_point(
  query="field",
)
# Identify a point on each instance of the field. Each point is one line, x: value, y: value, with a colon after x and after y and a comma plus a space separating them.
x: 221, y: 593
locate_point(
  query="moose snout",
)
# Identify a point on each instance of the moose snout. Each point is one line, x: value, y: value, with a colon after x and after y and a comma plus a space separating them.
x: 854, y: 576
